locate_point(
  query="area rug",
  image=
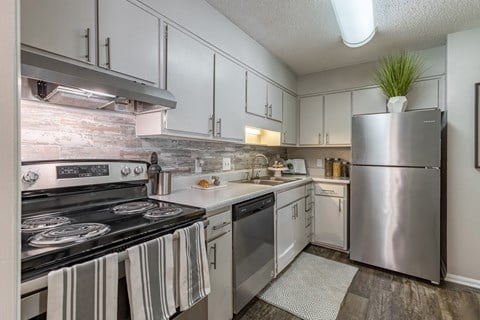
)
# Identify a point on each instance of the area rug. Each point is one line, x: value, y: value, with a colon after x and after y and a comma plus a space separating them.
x: 312, y: 288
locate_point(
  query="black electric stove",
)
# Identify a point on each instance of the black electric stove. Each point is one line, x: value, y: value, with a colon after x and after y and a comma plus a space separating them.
x: 74, y: 211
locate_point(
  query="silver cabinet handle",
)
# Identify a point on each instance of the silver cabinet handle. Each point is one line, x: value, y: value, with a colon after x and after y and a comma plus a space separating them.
x: 266, y: 110
x: 87, y: 39
x: 219, y: 127
x: 210, y: 124
x: 270, y: 111
x: 220, y: 226
x: 327, y: 140
x: 319, y: 138
x: 108, y: 45
x: 293, y: 212
x: 285, y: 137
x: 214, y: 263
x: 339, y: 205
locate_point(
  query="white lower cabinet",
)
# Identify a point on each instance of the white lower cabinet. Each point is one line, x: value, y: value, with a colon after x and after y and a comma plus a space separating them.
x: 291, y: 226
x: 219, y: 250
x: 331, y: 216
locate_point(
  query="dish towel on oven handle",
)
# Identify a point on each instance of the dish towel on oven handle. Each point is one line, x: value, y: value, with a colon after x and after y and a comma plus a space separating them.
x: 150, y: 279
x: 193, y: 274
x: 85, y: 291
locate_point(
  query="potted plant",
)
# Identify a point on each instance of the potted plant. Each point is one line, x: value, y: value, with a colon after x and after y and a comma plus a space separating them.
x: 396, y: 75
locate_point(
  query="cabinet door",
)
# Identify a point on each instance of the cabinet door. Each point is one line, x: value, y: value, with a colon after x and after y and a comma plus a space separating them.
x: 256, y: 95
x: 64, y: 27
x: 424, y: 95
x: 190, y: 79
x: 128, y: 40
x: 285, y: 237
x: 311, y: 121
x: 370, y: 100
x: 220, y: 267
x: 229, y: 99
x: 275, y: 105
x: 330, y: 221
x: 289, y: 121
x: 338, y: 122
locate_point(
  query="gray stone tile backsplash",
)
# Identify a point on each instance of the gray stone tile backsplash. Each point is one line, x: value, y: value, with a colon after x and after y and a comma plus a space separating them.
x: 57, y: 132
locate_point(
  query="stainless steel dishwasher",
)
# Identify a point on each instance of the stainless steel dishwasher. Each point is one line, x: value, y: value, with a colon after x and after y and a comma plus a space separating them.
x: 253, y: 249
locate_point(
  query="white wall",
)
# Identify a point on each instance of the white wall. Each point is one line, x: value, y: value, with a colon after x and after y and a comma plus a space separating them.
x: 463, y: 215
x: 360, y: 75
x: 203, y: 20
x: 9, y: 197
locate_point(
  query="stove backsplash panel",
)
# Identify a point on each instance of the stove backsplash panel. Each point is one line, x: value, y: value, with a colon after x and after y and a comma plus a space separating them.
x: 58, y: 132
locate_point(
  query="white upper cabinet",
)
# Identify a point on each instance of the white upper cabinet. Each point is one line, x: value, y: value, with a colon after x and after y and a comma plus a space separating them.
x: 189, y: 77
x: 128, y: 40
x: 63, y: 27
x: 274, y: 102
x: 338, y: 124
x: 229, y: 99
x: 367, y: 101
x: 424, y: 95
x: 289, y: 124
x: 311, y: 120
x: 256, y: 95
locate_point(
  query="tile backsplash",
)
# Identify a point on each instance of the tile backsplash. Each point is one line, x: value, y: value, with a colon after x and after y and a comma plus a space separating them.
x: 57, y: 132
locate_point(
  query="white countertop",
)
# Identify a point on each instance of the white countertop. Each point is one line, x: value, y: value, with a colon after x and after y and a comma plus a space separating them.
x: 233, y: 193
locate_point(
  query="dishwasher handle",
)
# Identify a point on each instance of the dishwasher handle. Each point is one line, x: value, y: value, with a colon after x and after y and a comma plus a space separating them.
x: 249, y: 207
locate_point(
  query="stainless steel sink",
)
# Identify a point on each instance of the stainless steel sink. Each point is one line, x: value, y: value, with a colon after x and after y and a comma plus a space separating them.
x: 268, y: 181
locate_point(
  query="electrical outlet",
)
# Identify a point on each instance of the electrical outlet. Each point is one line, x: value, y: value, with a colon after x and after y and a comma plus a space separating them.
x: 227, y: 164
x: 319, y: 163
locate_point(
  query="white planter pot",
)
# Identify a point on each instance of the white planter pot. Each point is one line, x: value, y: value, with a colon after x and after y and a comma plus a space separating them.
x: 397, y: 104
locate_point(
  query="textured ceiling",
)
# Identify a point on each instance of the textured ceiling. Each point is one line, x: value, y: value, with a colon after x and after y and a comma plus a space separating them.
x: 304, y: 33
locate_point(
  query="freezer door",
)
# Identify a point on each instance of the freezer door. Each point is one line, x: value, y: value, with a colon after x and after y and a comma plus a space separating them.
x: 395, y: 219
x: 410, y: 139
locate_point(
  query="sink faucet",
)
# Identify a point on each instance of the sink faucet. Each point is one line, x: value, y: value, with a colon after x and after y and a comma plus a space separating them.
x: 253, y: 162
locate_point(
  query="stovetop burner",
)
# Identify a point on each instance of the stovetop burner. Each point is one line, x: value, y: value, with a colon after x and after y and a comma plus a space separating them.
x: 68, y: 234
x: 38, y: 224
x: 165, y: 212
x: 134, y: 207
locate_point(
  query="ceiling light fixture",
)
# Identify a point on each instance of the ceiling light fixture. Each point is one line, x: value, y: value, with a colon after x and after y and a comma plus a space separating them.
x: 355, y: 19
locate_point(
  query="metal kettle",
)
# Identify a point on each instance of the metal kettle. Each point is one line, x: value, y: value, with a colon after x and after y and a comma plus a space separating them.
x: 159, y: 181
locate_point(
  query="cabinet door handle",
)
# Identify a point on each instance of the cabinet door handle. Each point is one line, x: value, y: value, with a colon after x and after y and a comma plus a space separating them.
x: 220, y: 226
x: 285, y: 137
x: 270, y: 111
x: 87, y: 39
x: 319, y: 138
x: 108, y: 45
x: 327, y: 140
x: 214, y: 263
x: 266, y: 110
x: 339, y: 205
x: 219, y: 127
x: 210, y: 124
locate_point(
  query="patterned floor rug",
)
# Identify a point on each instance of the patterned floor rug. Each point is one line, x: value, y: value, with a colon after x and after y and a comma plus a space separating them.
x: 312, y: 288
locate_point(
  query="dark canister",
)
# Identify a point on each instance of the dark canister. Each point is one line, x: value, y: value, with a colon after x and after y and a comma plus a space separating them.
x: 345, y: 169
x: 328, y: 167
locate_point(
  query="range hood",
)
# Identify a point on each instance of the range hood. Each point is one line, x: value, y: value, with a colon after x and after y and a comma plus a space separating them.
x: 70, y: 84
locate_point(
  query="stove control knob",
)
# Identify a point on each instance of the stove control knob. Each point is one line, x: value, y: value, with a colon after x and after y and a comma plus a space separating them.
x: 30, y: 177
x: 138, y: 170
x: 125, y: 171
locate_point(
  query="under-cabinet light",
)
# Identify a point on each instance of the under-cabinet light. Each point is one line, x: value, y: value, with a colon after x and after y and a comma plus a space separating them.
x: 355, y: 19
x: 84, y: 92
x: 254, y: 131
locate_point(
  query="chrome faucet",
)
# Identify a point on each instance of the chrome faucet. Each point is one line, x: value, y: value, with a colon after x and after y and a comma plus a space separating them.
x: 253, y: 163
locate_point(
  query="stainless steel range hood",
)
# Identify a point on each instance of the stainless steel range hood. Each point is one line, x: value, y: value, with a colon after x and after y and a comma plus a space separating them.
x: 97, y: 87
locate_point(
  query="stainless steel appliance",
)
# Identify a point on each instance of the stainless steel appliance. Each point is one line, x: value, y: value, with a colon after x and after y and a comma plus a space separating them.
x: 253, y: 251
x: 295, y: 166
x: 397, y: 179
x: 74, y: 211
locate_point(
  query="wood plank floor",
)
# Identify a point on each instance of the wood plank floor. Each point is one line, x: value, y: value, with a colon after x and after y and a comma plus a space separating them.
x: 380, y: 294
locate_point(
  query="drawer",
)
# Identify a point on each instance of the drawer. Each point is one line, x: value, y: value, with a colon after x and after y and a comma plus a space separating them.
x: 329, y: 189
x: 219, y: 224
x: 289, y: 196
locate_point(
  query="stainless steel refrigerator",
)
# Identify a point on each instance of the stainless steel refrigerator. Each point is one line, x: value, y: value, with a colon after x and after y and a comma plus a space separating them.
x: 397, y: 209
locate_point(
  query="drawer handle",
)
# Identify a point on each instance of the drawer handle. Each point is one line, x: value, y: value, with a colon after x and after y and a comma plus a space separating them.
x: 220, y: 226
x: 214, y: 263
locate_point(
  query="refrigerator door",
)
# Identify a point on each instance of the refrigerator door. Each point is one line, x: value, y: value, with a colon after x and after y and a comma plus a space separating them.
x: 395, y: 219
x: 409, y: 139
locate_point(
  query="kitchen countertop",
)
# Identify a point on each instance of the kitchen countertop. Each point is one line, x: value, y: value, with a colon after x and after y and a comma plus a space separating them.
x: 212, y: 200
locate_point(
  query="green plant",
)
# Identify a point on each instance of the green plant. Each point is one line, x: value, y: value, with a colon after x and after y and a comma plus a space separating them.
x: 396, y: 73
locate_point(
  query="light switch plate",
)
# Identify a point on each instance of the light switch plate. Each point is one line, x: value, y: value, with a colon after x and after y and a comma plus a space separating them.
x: 319, y: 163
x: 227, y: 164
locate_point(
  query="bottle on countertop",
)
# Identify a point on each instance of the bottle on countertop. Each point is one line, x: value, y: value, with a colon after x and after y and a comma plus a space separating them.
x: 337, y: 168
x: 345, y: 169
x: 328, y: 167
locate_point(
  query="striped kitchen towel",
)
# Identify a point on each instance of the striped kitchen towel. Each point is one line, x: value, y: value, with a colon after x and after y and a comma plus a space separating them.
x: 86, y: 291
x: 150, y: 279
x: 193, y: 274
